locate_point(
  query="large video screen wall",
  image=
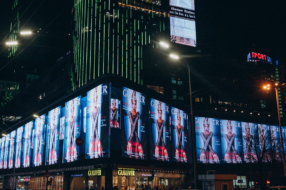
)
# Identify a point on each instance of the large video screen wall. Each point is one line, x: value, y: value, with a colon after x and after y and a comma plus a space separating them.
x: 233, y: 142
x: 145, y: 124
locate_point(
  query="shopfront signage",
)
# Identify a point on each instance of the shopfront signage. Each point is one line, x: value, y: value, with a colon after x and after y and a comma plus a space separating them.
x: 258, y: 57
x: 96, y: 172
x: 126, y: 171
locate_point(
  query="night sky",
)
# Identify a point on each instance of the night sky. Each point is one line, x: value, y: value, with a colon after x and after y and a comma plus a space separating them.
x: 226, y: 28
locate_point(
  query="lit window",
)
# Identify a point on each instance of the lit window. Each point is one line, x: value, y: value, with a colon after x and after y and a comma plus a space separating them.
x: 174, y: 97
x: 202, y: 99
x: 197, y: 99
x: 258, y: 114
x: 180, y: 97
x: 234, y: 111
x: 241, y: 111
x: 250, y: 113
x: 174, y: 91
x: 174, y: 81
x: 219, y: 102
x: 215, y: 108
x: 180, y: 82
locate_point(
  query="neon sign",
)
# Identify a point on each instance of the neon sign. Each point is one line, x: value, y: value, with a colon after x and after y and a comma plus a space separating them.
x: 258, y: 57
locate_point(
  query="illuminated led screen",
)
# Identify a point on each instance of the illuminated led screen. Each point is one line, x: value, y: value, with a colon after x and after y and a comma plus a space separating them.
x: 234, y: 142
x: 19, y: 147
x: 52, y: 132
x: 180, y: 134
x: 134, y: 119
x: 115, y: 114
x: 72, y: 130
x: 39, y: 141
x: 182, y: 22
x: 11, y: 149
x: 27, y: 142
x: 160, y: 131
x: 1, y: 153
x: 97, y: 129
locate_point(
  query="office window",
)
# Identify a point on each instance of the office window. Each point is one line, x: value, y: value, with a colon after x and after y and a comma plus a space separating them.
x: 174, y: 81
x: 180, y: 82
x: 158, y: 89
x: 197, y: 99
x: 174, y: 91
x: 174, y: 97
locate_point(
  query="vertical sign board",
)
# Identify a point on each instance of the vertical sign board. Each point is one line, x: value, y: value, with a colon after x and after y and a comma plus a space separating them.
x: 52, y: 132
x: 97, y: 122
x: 250, y: 142
x: 231, y: 141
x: 284, y: 138
x: 134, y: 123
x: 182, y: 22
x: 11, y: 149
x: 27, y: 142
x: 208, y: 140
x: 19, y: 147
x: 160, y: 131
x: 39, y: 141
x: 72, y: 130
x: 180, y: 128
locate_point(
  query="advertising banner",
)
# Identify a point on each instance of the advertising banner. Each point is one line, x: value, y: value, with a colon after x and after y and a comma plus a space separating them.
x: 115, y: 114
x: 97, y: 120
x: 19, y: 147
x: 265, y: 142
x: 182, y: 22
x: 208, y: 140
x: 180, y: 144
x: 160, y: 131
x: 27, y: 142
x: 72, y: 130
x: 231, y: 141
x: 39, y: 141
x: 6, y: 153
x: 12, y: 149
x: 275, y: 143
x: 134, y: 120
x: 52, y: 132
x: 250, y: 142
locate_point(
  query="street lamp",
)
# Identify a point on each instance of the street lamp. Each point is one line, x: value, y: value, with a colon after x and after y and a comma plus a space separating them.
x: 277, y: 85
x: 164, y: 44
x: 25, y: 33
x: 12, y: 43
x: 35, y: 115
x: 174, y: 56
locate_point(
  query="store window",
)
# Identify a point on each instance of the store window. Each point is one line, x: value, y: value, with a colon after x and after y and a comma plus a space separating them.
x: 23, y: 183
x: 91, y: 182
x: 240, y: 182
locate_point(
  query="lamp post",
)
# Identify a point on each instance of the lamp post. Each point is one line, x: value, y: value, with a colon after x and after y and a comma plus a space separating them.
x: 174, y: 56
x: 279, y: 120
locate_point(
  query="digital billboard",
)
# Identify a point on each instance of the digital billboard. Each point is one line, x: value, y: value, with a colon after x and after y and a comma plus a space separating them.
x: 284, y: 138
x: 11, y: 149
x: 231, y: 141
x: 134, y: 121
x: 208, y: 140
x: 52, y: 132
x: 180, y: 131
x: 97, y: 120
x: 62, y: 124
x: 72, y: 130
x: 160, y: 131
x: 182, y: 22
x: 264, y: 142
x: 27, y: 142
x: 250, y: 142
x: 39, y: 141
x: 275, y: 143
x: 6, y: 153
x: 19, y: 147
x: 1, y: 163
x: 115, y: 113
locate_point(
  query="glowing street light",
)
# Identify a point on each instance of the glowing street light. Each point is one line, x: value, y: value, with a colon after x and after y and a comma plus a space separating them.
x: 26, y: 32
x: 11, y: 43
x: 4, y: 134
x: 35, y: 115
x: 174, y: 56
x: 163, y: 44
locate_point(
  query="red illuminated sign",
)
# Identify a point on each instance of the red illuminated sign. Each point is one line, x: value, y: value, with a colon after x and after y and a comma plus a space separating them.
x: 258, y: 56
